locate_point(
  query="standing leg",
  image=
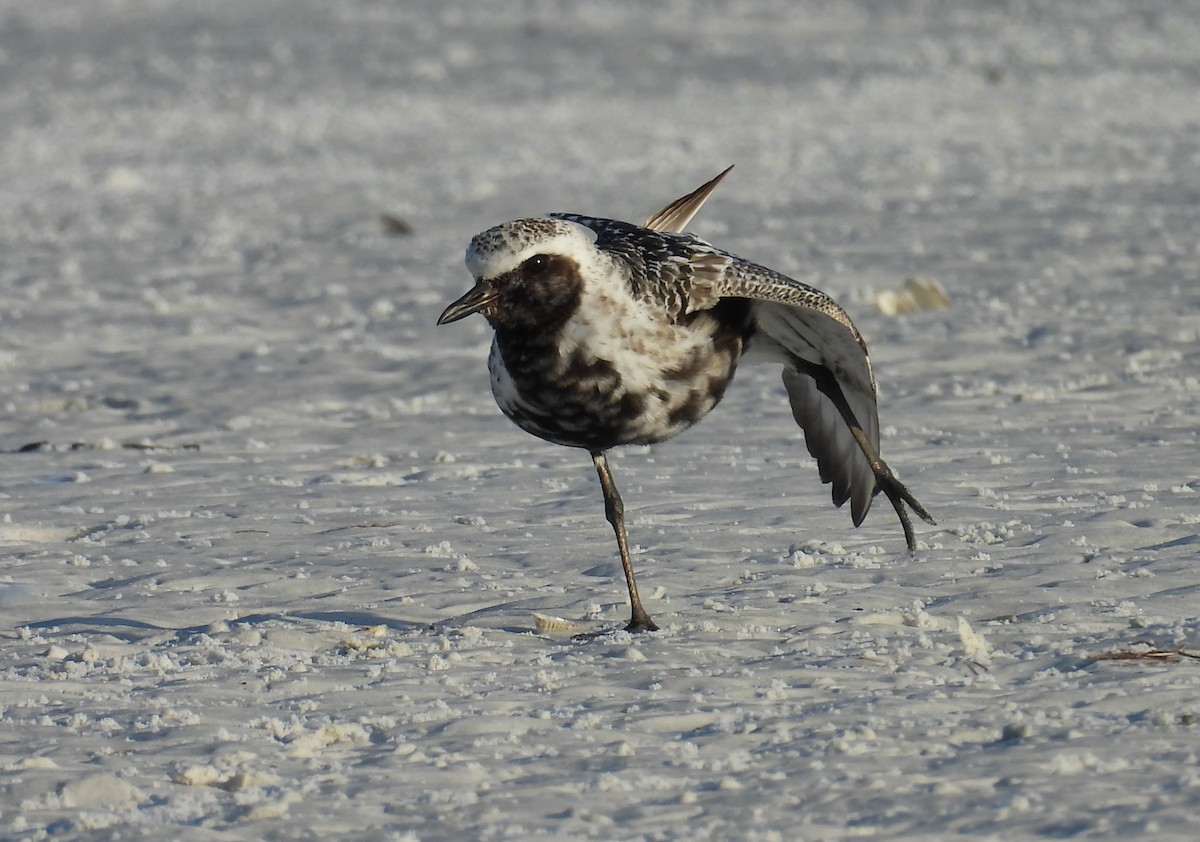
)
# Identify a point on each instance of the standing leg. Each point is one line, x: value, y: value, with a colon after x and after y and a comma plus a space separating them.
x: 614, y: 510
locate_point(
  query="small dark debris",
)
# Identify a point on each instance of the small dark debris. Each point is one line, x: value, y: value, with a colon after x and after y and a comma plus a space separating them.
x: 993, y: 75
x: 357, y: 526
x: 394, y: 225
x: 48, y: 447
x: 118, y: 402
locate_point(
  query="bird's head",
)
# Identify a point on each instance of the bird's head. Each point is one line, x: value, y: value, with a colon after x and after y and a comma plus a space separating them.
x: 528, y: 274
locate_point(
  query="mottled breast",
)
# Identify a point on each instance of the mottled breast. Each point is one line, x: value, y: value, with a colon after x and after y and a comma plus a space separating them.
x: 617, y: 370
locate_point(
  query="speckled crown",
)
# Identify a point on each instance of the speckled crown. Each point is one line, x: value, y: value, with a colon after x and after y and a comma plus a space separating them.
x: 503, y: 248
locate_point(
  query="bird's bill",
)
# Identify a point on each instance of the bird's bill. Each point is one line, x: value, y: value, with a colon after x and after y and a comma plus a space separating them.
x: 478, y: 297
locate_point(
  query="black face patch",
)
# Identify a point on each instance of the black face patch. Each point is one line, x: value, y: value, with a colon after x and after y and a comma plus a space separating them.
x: 537, y: 296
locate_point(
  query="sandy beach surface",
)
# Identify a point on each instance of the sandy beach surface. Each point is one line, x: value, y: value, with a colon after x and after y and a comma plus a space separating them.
x: 270, y: 557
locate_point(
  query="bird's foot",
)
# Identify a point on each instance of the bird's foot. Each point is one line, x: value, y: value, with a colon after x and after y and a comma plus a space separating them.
x: 635, y: 626
x: 640, y: 622
x: 898, y: 494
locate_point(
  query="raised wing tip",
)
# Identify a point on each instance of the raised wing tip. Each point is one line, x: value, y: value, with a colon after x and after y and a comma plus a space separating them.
x: 675, y: 217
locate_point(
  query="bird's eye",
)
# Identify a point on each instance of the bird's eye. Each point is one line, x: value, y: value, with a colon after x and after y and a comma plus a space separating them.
x: 537, y: 265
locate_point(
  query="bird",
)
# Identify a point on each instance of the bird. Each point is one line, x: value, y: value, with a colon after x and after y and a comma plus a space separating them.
x: 608, y: 333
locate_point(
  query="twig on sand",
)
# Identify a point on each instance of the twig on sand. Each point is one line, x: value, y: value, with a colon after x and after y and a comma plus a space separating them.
x: 1161, y: 655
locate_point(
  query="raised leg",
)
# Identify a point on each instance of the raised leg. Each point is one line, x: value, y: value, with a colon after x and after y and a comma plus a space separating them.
x: 614, y: 510
x: 897, y: 493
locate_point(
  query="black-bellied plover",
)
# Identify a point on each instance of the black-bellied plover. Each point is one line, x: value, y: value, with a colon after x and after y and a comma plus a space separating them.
x: 608, y: 333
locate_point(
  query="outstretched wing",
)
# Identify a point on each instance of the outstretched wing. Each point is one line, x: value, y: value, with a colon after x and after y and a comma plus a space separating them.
x: 826, y: 372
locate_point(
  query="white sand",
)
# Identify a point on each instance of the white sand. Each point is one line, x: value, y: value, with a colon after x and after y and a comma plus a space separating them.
x: 306, y: 611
